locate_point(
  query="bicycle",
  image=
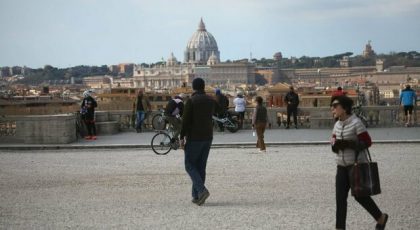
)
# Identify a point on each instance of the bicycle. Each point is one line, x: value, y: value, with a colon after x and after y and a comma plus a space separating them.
x: 159, y: 121
x: 162, y: 142
x: 228, y: 121
x: 360, y: 113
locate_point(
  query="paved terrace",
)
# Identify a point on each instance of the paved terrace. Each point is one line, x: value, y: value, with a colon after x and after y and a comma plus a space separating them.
x: 242, y: 138
x: 290, y: 187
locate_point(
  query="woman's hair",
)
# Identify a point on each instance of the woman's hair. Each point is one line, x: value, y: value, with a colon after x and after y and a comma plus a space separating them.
x: 259, y: 100
x: 344, y: 101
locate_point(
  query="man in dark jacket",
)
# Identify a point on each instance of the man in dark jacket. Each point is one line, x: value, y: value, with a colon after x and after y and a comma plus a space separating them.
x: 88, y: 114
x: 197, y: 129
x: 292, y: 101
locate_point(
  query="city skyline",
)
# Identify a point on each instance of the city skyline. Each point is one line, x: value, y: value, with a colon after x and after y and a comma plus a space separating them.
x: 93, y: 32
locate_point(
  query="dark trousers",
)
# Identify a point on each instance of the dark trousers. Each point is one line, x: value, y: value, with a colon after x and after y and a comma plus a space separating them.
x: 91, y: 128
x: 291, y: 110
x: 342, y: 187
x: 196, y: 154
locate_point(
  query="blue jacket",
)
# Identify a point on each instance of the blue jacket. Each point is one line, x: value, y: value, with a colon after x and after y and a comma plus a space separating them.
x: 407, y: 97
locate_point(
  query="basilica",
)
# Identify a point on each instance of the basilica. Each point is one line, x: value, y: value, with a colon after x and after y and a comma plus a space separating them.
x: 201, y: 59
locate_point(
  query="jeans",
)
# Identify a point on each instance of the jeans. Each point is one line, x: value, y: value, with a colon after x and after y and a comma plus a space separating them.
x: 291, y: 110
x: 139, y: 118
x: 196, y: 154
x: 342, y: 191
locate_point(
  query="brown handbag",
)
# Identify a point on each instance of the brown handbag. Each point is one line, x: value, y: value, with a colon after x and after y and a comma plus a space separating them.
x: 364, y: 178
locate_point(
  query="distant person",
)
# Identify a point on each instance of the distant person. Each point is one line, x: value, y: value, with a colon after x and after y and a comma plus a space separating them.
x: 339, y: 92
x: 223, y: 103
x: 173, y: 113
x: 141, y: 106
x: 197, y: 133
x: 348, y: 137
x: 240, y: 106
x: 408, y: 99
x: 259, y: 123
x: 88, y: 114
x: 292, y: 101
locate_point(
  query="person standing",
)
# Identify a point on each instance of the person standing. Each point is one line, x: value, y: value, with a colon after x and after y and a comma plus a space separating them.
x: 349, y: 137
x: 338, y: 92
x: 88, y: 114
x: 141, y: 106
x: 240, y: 105
x: 408, y: 101
x: 223, y: 102
x: 197, y: 134
x: 173, y: 113
x: 259, y: 122
x: 292, y: 101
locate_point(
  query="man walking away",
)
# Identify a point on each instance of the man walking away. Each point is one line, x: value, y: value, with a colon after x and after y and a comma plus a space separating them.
x: 197, y: 131
x: 173, y: 113
x: 408, y: 100
x: 292, y: 101
x: 141, y: 106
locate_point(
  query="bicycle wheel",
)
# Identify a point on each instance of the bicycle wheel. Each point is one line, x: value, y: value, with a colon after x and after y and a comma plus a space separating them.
x: 158, y: 122
x: 161, y: 143
x: 233, y: 126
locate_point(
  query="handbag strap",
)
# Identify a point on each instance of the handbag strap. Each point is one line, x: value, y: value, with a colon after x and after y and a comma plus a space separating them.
x: 369, y: 158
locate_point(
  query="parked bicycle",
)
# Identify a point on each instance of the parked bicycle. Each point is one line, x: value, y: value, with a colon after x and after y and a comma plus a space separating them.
x: 229, y: 121
x: 162, y: 142
x: 360, y: 113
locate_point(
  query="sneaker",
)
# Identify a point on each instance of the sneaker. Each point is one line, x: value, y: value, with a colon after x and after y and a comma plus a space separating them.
x: 202, y: 197
x: 88, y: 137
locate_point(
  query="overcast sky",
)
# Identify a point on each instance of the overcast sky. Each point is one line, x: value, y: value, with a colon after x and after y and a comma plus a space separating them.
x: 66, y: 33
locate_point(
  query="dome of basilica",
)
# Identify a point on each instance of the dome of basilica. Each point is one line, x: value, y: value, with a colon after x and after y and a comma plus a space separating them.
x: 201, y: 46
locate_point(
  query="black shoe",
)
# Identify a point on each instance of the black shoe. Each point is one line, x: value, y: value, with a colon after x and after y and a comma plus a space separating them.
x: 287, y: 127
x: 296, y: 127
x: 194, y: 200
x: 138, y: 130
x: 382, y: 226
x: 202, y: 197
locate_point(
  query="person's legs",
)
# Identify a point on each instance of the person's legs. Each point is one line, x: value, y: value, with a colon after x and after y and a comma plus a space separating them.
x: 89, y: 128
x: 370, y: 206
x: 342, y: 187
x: 241, y: 119
x: 192, y: 158
x: 410, y: 113
x: 140, y: 119
x: 288, y: 116
x: 260, y: 127
x: 295, y: 116
x: 205, y: 150
x: 93, y: 129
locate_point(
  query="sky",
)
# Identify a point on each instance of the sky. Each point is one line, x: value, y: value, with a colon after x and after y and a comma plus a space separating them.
x: 65, y: 33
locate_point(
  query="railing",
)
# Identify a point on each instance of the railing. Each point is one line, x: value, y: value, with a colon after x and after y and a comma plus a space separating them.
x: 27, y: 128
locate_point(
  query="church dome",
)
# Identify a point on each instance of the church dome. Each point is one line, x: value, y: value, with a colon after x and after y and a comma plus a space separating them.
x: 201, y: 46
x: 172, y: 60
x: 213, y: 60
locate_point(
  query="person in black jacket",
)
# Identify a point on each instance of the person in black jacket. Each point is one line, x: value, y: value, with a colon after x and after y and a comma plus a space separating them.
x: 292, y: 102
x: 88, y: 114
x: 173, y: 113
x: 197, y: 132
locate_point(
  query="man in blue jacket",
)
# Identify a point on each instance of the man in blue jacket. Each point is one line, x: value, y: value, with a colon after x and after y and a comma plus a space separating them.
x: 408, y: 100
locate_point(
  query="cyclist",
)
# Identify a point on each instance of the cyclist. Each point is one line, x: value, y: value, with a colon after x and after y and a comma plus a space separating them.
x: 173, y: 113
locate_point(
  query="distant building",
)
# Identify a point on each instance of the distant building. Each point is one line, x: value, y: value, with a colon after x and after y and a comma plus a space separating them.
x: 97, y: 82
x: 368, y: 52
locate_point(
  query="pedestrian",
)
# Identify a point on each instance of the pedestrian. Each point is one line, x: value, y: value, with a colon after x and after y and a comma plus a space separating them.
x: 141, y: 107
x: 349, y: 137
x: 292, y: 101
x: 173, y: 113
x: 259, y: 123
x: 408, y: 99
x: 338, y: 92
x: 197, y: 134
x: 88, y: 114
x: 223, y: 106
x: 240, y: 105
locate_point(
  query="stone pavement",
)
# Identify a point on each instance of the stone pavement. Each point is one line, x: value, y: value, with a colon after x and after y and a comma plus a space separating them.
x: 241, y: 138
x: 290, y: 187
